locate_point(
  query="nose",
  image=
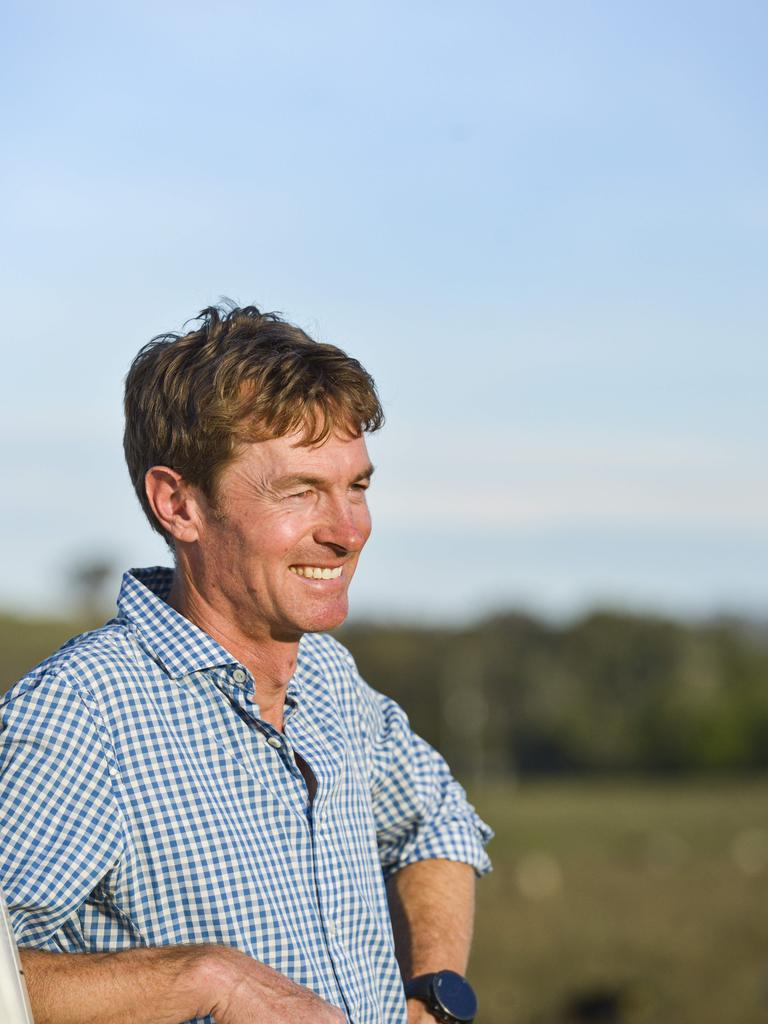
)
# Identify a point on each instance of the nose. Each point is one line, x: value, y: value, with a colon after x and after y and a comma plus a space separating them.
x: 345, y: 526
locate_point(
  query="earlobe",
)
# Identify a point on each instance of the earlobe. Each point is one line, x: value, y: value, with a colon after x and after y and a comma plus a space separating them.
x: 173, y: 503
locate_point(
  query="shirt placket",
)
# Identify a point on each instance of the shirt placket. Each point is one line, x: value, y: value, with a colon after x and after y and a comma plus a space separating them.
x: 328, y: 870
x: 238, y: 686
x: 284, y: 765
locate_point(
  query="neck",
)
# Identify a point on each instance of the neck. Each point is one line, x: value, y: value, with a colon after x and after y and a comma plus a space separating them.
x: 271, y: 661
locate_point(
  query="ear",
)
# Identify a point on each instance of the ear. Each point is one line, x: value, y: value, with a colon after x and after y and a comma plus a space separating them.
x: 174, y: 503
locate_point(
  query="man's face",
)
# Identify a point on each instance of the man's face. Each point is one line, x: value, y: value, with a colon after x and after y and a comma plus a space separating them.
x: 285, y: 515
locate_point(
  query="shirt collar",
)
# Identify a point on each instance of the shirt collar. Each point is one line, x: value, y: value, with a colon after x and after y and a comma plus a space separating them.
x: 175, y: 643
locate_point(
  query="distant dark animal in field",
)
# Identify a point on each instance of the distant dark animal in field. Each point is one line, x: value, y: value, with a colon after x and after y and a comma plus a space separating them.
x: 596, y: 1006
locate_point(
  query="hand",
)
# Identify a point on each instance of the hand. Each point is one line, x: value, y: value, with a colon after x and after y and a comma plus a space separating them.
x: 244, y: 991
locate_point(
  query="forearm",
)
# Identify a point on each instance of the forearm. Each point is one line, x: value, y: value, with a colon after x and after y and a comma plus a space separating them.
x: 140, y: 986
x: 432, y: 905
x: 166, y: 985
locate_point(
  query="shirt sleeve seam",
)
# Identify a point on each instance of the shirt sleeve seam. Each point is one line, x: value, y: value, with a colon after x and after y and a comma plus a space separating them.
x: 91, y: 706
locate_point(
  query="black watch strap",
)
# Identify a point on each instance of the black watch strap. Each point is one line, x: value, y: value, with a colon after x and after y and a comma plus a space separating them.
x: 419, y: 988
x: 449, y: 997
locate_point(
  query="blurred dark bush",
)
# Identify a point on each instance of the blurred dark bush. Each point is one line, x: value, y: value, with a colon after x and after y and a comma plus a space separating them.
x: 610, y: 692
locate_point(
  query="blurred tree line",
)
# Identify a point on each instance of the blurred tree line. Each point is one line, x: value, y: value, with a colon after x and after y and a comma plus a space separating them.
x: 515, y: 696
x: 609, y: 693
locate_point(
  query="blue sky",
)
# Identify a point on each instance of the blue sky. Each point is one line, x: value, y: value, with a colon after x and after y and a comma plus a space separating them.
x: 541, y: 227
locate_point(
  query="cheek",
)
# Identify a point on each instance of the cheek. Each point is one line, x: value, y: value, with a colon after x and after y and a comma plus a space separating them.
x: 282, y: 536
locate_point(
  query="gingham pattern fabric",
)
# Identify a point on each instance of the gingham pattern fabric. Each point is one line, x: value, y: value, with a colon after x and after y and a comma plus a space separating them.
x: 143, y: 803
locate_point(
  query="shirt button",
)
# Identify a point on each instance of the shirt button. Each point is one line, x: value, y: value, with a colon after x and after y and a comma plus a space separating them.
x: 273, y: 741
x: 238, y: 675
x: 332, y: 929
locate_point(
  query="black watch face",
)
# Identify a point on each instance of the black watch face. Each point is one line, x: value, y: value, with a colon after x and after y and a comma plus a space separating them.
x: 454, y: 996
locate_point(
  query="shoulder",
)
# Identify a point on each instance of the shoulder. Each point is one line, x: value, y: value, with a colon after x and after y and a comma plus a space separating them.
x: 329, y: 669
x: 82, y: 666
x: 52, y: 722
x: 321, y: 652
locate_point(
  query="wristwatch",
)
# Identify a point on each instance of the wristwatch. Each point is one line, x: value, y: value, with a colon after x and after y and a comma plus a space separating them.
x: 449, y: 997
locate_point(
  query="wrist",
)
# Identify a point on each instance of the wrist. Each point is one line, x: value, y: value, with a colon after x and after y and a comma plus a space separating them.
x: 210, y: 973
x: 445, y: 995
x: 418, y: 1012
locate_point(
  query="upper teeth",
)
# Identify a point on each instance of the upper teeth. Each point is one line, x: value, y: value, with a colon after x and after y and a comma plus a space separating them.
x: 315, y: 572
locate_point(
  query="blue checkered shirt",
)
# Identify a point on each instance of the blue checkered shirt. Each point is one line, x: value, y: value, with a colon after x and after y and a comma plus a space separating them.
x: 143, y: 802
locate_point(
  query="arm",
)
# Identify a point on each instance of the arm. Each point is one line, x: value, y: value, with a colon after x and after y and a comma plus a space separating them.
x: 166, y: 985
x: 421, y: 813
x: 431, y: 844
x: 432, y: 904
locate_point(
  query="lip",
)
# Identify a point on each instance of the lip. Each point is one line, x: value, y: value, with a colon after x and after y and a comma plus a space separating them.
x: 339, y: 583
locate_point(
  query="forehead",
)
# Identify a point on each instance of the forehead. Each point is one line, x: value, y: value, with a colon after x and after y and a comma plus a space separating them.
x: 338, y: 456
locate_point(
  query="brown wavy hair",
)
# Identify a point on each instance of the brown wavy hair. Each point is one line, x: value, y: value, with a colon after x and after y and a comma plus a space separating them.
x: 241, y: 376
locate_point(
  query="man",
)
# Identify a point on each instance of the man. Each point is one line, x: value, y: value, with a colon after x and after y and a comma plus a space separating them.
x: 206, y: 813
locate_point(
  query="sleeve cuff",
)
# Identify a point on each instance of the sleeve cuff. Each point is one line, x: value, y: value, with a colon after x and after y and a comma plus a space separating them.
x: 463, y: 841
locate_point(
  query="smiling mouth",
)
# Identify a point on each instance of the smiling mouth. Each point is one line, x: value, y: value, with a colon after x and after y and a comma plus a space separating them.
x: 314, y: 572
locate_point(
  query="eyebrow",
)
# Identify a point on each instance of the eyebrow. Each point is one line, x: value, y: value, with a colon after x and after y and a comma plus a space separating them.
x: 296, y: 480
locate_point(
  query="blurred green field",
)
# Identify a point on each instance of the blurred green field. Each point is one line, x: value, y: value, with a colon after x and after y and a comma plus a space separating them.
x: 656, y: 892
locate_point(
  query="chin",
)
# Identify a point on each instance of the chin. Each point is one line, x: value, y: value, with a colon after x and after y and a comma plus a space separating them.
x: 329, y: 618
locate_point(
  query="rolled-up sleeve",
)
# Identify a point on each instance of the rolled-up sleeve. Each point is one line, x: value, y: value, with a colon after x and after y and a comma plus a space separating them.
x: 60, y: 830
x: 421, y: 811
